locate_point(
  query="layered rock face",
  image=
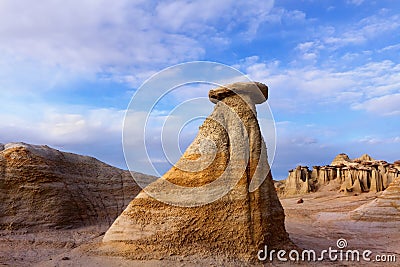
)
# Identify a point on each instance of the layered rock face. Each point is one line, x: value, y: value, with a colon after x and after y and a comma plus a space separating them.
x: 43, y: 188
x: 384, y: 208
x: 362, y: 174
x: 218, y: 199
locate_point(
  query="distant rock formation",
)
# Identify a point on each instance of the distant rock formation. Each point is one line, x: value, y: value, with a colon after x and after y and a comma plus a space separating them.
x: 43, y: 188
x: 384, y: 208
x: 341, y: 159
x: 204, y: 223
x: 362, y: 174
x: 364, y: 158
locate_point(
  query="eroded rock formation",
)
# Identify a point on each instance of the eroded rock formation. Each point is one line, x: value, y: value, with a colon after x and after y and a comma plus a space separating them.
x: 384, y: 208
x: 362, y: 174
x: 43, y: 188
x: 227, y: 156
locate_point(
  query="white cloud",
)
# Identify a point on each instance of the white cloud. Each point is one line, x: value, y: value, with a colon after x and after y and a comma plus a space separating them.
x: 329, y: 38
x: 281, y: 15
x: 348, y: 38
x: 304, y: 47
x: 54, y: 127
x: 390, y: 47
x: 376, y: 25
x: 387, y: 105
x: 183, y: 15
x: 324, y: 86
x: 89, y: 34
x: 82, y: 130
x: 377, y: 78
x: 43, y: 47
x: 309, y: 50
x: 306, y: 84
x: 355, y: 2
x: 296, y: 15
x: 122, y: 35
x: 199, y: 17
x: 376, y: 140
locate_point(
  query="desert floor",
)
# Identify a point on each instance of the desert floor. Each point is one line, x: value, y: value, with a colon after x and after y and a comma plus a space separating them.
x: 316, y: 224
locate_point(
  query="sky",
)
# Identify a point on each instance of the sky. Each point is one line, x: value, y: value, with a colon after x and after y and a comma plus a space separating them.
x: 69, y: 69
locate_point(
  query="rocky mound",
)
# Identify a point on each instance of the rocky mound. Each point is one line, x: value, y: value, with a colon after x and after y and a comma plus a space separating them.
x: 340, y: 159
x: 364, y: 158
x: 43, y: 188
x: 218, y: 200
x: 360, y: 175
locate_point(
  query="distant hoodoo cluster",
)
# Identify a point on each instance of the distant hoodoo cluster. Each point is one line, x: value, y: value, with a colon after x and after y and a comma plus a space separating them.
x: 385, y: 208
x: 359, y: 175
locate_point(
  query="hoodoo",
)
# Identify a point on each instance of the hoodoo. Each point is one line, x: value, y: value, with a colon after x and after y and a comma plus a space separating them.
x: 363, y: 174
x: 218, y: 200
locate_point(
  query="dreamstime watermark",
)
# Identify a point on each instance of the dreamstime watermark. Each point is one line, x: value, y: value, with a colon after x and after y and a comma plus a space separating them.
x: 163, y: 107
x: 340, y: 253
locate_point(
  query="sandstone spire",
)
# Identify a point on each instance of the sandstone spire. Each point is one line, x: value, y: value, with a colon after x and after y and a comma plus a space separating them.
x: 218, y: 199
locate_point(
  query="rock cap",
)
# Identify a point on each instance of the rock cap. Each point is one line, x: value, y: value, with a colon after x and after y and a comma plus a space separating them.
x: 258, y: 92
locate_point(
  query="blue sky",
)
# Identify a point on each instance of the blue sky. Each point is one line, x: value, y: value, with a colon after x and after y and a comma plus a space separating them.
x: 68, y: 69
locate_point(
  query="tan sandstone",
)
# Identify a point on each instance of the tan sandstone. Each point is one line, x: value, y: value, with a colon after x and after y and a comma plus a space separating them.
x: 360, y: 175
x: 385, y: 207
x: 42, y: 188
x: 228, y: 155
